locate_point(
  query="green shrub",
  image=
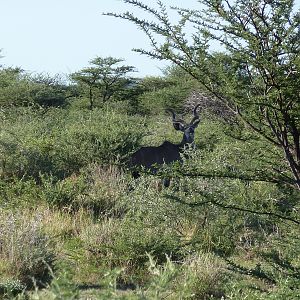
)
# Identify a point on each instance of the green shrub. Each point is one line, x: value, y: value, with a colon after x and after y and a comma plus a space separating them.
x: 156, y: 101
x: 19, y: 193
x: 59, y: 143
x: 63, y: 193
x: 125, y: 243
x: 18, y: 88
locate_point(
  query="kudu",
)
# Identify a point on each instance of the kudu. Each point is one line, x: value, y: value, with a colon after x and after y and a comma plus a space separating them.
x: 152, y: 158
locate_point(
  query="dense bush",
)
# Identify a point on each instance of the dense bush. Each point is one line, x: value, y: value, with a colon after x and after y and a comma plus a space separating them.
x: 15, y: 89
x: 59, y: 143
x: 50, y: 91
x: 96, y: 188
x: 18, y: 88
x: 171, y: 94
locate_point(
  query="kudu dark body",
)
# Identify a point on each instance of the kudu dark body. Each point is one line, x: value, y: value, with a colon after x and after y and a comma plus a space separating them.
x: 152, y: 158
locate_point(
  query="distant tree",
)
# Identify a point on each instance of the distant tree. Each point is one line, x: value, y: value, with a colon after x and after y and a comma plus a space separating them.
x: 104, y: 78
x: 257, y: 74
x: 14, y: 87
x: 155, y: 83
x: 48, y: 90
x: 87, y: 77
x: 152, y: 94
x: 169, y: 91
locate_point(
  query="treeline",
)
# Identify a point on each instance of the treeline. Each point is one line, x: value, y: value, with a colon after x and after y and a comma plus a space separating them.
x: 105, y: 81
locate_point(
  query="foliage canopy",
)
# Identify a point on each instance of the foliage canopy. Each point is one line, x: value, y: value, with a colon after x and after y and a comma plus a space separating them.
x: 104, y: 77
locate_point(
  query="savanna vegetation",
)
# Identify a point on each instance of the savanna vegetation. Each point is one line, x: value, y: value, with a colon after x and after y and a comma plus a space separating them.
x: 73, y: 222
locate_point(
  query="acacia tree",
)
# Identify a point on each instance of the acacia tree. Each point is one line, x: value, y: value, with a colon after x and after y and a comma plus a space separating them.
x: 104, y: 77
x: 257, y: 73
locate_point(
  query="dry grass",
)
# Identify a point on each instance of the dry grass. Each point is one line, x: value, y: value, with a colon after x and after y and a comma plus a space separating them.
x: 202, y: 276
x: 107, y: 187
x: 26, y: 252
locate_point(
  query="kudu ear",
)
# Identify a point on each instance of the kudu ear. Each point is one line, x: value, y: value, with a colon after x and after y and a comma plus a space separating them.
x: 177, y: 123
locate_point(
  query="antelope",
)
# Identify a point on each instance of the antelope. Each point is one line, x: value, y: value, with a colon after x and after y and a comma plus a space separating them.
x: 151, y: 158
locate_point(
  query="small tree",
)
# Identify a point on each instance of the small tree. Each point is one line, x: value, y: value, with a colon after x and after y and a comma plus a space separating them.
x: 103, y: 78
x: 257, y: 75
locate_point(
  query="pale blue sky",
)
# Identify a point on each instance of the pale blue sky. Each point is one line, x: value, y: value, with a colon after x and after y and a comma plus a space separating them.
x: 61, y: 36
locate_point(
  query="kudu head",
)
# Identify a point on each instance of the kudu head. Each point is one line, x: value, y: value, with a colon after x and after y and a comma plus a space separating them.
x: 188, y: 129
